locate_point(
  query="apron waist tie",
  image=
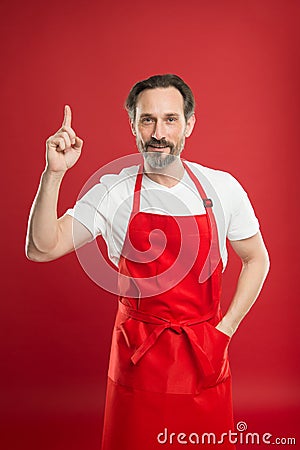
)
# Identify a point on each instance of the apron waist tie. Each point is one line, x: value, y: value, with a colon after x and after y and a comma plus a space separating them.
x: 165, y: 324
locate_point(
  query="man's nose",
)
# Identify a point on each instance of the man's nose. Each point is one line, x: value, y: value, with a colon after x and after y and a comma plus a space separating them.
x: 159, y: 131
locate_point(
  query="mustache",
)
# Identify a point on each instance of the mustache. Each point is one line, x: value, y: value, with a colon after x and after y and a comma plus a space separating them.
x: 158, y: 143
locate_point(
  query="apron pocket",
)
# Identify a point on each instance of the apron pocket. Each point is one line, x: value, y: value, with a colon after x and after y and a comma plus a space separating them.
x: 216, y: 347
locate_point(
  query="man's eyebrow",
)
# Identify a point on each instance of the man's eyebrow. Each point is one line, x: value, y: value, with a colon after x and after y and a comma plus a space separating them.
x: 171, y: 114
x: 146, y: 115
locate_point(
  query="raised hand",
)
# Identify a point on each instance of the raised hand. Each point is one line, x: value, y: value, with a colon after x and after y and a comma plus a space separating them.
x: 63, y: 149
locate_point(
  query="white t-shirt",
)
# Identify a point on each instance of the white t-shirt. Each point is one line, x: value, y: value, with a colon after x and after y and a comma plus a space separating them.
x: 105, y: 209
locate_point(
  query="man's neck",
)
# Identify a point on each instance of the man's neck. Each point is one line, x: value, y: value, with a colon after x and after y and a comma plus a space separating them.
x: 168, y: 176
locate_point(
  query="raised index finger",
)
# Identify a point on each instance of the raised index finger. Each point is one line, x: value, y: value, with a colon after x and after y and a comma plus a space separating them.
x: 67, y: 117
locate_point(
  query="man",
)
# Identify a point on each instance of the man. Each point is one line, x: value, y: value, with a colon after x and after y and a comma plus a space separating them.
x: 165, y: 222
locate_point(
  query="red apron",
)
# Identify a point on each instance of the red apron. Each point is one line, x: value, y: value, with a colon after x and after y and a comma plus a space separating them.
x: 169, y: 380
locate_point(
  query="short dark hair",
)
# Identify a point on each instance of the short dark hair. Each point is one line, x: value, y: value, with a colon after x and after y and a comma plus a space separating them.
x: 161, y: 81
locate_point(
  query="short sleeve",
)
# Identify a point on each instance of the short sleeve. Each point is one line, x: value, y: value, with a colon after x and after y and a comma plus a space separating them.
x: 243, y: 222
x: 90, y: 210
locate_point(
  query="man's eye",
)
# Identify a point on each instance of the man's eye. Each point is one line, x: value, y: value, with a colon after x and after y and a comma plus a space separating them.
x: 171, y: 119
x: 147, y: 120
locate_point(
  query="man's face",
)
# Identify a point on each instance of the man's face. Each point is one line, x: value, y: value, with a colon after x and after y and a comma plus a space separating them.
x: 160, y: 127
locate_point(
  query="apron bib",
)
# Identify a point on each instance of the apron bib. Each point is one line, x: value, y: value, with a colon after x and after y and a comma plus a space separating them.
x: 169, y: 378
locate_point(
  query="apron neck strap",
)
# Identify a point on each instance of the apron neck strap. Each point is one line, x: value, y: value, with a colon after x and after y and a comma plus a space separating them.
x: 137, y: 190
x: 207, y: 202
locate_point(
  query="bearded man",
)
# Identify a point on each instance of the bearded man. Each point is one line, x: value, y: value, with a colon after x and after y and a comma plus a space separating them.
x: 165, y: 222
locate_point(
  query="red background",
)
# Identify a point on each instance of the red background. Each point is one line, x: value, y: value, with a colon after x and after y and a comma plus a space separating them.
x: 241, y: 59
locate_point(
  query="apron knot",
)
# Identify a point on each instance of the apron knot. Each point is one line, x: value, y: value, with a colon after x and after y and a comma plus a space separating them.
x: 176, y: 327
x: 163, y: 324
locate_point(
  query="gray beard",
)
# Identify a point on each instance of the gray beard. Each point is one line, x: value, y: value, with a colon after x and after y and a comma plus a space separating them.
x: 158, y: 161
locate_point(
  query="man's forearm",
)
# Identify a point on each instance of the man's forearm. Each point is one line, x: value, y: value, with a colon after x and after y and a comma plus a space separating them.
x: 42, y: 235
x: 252, y: 276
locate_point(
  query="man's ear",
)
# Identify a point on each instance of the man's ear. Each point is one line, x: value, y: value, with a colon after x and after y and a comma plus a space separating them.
x: 132, y: 127
x: 190, y: 125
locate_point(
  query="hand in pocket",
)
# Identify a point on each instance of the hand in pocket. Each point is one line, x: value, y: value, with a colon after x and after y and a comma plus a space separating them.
x: 215, y: 346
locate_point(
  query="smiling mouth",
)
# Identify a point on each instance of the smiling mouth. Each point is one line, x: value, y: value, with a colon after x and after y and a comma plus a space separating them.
x: 159, y: 147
